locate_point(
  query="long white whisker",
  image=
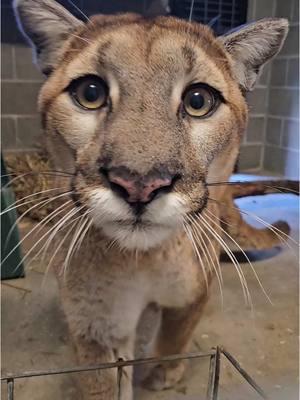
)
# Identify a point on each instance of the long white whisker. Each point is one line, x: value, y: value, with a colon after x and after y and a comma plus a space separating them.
x: 232, y: 258
x: 49, y: 173
x: 6, y: 210
x: 207, y: 256
x: 111, y: 244
x: 40, y: 204
x: 56, y: 251
x: 80, y: 227
x: 198, y: 239
x: 91, y: 53
x: 46, y: 220
x: 282, y: 236
x: 32, y: 230
x: 36, y: 194
x: 272, y: 228
x: 37, y: 228
x: 79, y: 243
x: 202, y: 228
x: 59, y: 225
x: 81, y: 12
x: 199, y: 232
x: 66, y: 224
x: 53, y: 215
x: 245, y: 255
x: 34, y: 246
x: 81, y: 38
x: 136, y: 254
x: 191, y: 10
x: 190, y: 236
x: 50, y: 217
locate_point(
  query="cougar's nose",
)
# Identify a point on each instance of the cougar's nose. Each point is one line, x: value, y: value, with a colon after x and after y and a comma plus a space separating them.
x: 135, y: 188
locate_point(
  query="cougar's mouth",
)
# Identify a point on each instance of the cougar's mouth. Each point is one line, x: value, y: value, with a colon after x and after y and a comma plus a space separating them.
x: 136, y: 230
x: 141, y: 217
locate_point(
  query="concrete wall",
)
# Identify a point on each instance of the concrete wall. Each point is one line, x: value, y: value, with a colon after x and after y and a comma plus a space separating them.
x: 272, y: 139
x: 20, y: 127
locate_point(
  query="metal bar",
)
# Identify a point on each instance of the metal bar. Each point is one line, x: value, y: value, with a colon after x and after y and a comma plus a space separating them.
x: 119, y: 380
x: 10, y: 389
x: 220, y: 9
x: 210, y: 377
x: 217, y: 374
x: 29, y: 374
x: 244, y: 374
x: 214, y: 375
x: 233, y: 14
x: 205, y: 11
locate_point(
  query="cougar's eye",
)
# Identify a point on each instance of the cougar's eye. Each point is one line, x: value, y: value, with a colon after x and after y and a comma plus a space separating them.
x: 199, y: 100
x: 89, y: 92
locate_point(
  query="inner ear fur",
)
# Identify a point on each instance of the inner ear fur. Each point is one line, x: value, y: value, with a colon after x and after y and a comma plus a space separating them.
x: 252, y: 46
x: 46, y: 25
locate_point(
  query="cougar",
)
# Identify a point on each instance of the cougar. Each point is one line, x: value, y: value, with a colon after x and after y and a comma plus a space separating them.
x: 140, y: 115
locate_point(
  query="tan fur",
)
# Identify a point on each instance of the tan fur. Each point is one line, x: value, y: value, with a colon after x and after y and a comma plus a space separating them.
x: 147, y: 64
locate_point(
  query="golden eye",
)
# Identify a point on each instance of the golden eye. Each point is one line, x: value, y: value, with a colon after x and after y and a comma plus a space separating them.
x: 199, y: 101
x: 89, y: 92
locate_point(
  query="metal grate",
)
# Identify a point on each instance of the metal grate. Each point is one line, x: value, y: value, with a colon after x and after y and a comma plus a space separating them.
x: 213, y: 379
x: 222, y: 15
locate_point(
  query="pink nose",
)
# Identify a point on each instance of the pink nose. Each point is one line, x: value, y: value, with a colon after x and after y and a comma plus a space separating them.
x: 134, y: 188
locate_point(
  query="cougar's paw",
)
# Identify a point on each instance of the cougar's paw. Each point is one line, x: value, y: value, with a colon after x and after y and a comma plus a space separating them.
x: 165, y: 376
x: 282, y: 226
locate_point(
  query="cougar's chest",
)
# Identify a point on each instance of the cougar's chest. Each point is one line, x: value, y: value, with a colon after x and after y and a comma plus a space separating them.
x: 175, y: 282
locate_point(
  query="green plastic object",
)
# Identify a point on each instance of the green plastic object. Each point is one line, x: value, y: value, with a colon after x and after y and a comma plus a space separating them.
x: 11, y: 265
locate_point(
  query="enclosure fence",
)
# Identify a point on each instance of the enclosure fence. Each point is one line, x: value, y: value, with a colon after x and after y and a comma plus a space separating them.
x: 213, y: 355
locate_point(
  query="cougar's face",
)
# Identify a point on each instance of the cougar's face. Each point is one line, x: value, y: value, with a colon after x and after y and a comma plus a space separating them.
x: 139, y: 112
x: 143, y: 112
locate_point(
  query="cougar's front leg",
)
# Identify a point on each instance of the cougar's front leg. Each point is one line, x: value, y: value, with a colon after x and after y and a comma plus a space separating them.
x: 102, y: 384
x: 177, y: 327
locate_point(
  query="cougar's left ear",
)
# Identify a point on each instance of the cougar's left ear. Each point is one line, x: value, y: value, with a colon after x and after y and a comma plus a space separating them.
x: 252, y: 45
x: 47, y: 25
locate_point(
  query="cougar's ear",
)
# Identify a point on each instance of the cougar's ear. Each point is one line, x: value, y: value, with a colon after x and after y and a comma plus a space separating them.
x: 252, y: 45
x: 46, y: 24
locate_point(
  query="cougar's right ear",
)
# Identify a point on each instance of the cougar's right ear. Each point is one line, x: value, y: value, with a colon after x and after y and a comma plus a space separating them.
x: 47, y: 25
x: 253, y: 45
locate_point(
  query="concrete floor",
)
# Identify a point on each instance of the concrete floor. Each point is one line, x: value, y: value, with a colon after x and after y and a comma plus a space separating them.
x: 34, y: 333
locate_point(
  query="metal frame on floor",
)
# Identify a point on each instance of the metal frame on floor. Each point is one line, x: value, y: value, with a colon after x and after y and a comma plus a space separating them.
x: 213, y: 379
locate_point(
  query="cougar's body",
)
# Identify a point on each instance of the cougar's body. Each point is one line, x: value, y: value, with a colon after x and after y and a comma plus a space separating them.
x: 142, y: 114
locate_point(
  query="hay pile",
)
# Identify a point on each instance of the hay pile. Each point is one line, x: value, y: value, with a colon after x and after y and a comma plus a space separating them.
x: 28, y: 178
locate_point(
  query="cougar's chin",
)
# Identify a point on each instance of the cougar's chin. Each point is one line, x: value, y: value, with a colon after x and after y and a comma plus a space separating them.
x: 137, y: 236
x: 118, y: 222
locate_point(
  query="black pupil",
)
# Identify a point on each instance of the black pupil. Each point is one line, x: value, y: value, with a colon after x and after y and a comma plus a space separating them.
x: 92, y: 93
x: 197, y: 101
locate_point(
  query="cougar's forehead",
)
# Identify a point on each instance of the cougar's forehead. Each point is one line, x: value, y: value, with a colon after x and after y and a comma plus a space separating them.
x: 134, y: 55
